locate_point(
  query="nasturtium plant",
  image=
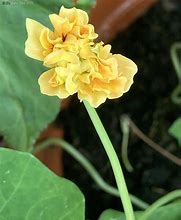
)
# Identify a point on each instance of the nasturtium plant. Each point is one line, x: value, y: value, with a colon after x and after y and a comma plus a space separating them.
x: 30, y: 191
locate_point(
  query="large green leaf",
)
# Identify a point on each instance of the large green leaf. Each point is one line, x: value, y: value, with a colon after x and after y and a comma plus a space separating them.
x: 28, y: 190
x: 24, y: 112
x: 168, y: 212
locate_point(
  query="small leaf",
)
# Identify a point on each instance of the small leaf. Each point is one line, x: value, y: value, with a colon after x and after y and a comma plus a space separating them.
x: 86, y: 4
x: 111, y: 214
x: 175, y: 130
x: 30, y: 191
x: 168, y: 212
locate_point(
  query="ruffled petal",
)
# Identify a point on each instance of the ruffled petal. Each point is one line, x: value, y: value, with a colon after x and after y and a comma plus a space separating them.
x: 127, y: 68
x: 61, y: 25
x: 95, y: 98
x: 59, y: 56
x: 49, y: 86
x: 33, y: 47
x: 74, y: 15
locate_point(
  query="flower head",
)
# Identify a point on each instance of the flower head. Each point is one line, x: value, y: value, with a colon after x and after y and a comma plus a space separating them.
x: 71, y: 30
x: 78, y: 65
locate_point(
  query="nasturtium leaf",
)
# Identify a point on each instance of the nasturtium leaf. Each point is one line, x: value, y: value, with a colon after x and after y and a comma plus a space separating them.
x: 24, y: 111
x: 167, y: 212
x: 175, y: 130
x: 28, y: 190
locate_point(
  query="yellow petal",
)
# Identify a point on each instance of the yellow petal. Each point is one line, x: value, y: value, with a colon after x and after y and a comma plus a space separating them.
x: 95, y: 98
x: 74, y: 15
x: 61, y: 25
x: 45, y: 37
x: 33, y: 47
x: 105, y: 51
x: 57, y: 56
x: 70, y: 85
x: 48, y: 88
x: 117, y: 87
x: 127, y: 68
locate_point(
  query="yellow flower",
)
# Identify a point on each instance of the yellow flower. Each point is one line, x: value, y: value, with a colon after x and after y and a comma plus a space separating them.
x: 95, y: 76
x: 78, y: 65
x: 71, y: 31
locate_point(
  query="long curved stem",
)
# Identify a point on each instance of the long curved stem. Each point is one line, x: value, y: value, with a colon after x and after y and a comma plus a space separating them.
x: 124, y: 122
x: 88, y: 167
x: 160, y: 202
x: 117, y: 170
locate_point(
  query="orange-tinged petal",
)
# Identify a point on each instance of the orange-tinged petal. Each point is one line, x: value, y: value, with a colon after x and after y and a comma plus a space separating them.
x: 113, y: 89
x: 95, y: 98
x: 127, y: 68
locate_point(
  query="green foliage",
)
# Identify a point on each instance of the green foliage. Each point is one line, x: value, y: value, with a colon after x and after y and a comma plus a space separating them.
x: 24, y: 111
x: 168, y: 212
x: 175, y: 49
x: 85, y: 4
x: 67, y: 4
x: 176, y: 60
x: 175, y: 130
x: 82, y: 4
x: 30, y: 191
x: 111, y: 214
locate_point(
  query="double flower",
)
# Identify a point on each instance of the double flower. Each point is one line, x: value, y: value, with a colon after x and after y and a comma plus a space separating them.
x: 77, y: 64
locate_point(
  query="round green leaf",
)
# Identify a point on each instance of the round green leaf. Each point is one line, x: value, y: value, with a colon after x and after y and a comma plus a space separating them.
x: 29, y: 191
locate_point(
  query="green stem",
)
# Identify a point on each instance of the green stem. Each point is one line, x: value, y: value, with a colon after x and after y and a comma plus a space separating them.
x: 160, y: 202
x: 175, y: 59
x: 122, y: 188
x: 88, y: 167
x: 124, y: 121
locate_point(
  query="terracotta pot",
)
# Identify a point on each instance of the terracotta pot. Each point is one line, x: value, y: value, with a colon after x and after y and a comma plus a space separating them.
x: 113, y: 16
x: 52, y: 156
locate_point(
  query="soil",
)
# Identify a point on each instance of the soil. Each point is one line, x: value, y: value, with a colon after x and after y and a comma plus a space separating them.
x: 148, y: 103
